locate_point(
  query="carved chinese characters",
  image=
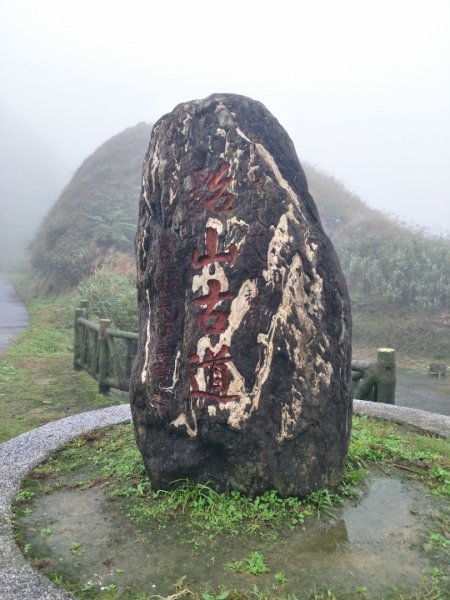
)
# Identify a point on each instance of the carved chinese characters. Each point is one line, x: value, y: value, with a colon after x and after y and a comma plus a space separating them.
x: 243, y: 371
x: 212, y: 318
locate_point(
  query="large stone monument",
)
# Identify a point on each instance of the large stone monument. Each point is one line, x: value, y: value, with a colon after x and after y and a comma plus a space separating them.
x: 242, y: 377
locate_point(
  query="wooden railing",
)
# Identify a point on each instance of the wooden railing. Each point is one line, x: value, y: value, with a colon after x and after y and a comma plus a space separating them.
x: 108, y: 354
x: 105, y: 353
x: 375, y: 381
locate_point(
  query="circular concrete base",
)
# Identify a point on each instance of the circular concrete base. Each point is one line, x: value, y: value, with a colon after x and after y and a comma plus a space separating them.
x: 18, y: 581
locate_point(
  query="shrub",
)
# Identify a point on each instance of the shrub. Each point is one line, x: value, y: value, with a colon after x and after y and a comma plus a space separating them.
x: 111, y: 292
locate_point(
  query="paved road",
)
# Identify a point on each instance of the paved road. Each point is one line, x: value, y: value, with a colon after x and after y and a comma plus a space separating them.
x: 424, y: 392
x: 13, y: 316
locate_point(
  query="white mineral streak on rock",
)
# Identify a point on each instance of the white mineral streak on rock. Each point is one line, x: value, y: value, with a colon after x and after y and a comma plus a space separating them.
x: 289, y: 416
x: 234, y: 165
x: 270, y: 161
x: 343, y: 328
x: 144, y: 189
x: 201, y: 281
x: 214, y: 224
x: 278, y: 319
x: 242, y: 135
x: 280, y: 239
x: 186, y: 124
x: 154, y: 165
x: 239, y: 307
x: 175, y: 375
x: 225, y: 152
x: 310, y: 251
x: 183, y: 421
x: 252, y: 168
x: 234, y: 221
x: 235, y: 232
x: 147, y: 342
x: 213, y: 271
x: 251, y: 172
x: 202, y: 344
x: 173, y: 189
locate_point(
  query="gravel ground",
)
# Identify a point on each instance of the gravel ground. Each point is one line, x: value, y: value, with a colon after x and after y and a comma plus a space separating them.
x: 18, y: 581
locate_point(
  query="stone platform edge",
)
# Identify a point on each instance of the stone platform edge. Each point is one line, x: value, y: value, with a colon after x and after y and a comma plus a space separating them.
x: 18, y: 581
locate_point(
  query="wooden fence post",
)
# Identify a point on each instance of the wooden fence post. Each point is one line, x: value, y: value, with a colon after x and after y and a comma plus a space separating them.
x: 386, y: 375
x: 103, y: 356
x: 79, y: 312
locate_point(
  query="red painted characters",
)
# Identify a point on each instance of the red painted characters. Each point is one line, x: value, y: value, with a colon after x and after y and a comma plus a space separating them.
x: 215, y: 375
x: 211, y: 191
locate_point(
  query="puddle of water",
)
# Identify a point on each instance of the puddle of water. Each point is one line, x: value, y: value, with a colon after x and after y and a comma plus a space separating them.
x: 384, y: 511
x: 376, y: 543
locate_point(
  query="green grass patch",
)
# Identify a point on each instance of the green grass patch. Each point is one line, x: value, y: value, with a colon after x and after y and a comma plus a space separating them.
x: 38, y: 384
x: 204, y: 518
x: 424, y: 457
x: 37, y: 380
x: 110, y: 458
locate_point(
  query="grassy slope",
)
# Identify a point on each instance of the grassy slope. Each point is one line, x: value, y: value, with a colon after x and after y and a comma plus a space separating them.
x: 397, y: 278
x: 96, y: 212
x: 37, y: 381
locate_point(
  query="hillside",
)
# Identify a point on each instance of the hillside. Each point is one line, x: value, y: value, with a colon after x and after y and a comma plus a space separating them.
x: 96, y: 212
x: 388, y: 266
x: 391, y: 270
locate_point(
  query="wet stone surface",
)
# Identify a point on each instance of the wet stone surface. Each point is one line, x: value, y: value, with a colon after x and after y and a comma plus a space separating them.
x: 13, y: 316
x: 376, y: 543
x: 242, y: 377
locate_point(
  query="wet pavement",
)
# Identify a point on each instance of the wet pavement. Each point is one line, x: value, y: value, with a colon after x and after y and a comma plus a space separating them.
x: 13, y: 316
x: 423, y: 392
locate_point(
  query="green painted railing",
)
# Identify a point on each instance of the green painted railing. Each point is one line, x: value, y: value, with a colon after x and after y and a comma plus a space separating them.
x: 375, y: 381
x: 105, y: 353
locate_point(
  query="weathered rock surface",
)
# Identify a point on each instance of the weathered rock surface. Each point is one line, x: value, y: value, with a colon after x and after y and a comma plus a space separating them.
x: 243, y: 371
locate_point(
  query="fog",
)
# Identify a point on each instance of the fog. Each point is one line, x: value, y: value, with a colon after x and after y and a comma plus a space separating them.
x: 363, y: 88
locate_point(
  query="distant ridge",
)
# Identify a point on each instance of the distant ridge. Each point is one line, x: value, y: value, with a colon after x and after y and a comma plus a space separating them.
x: 388, y: 266
x: 96, y: 212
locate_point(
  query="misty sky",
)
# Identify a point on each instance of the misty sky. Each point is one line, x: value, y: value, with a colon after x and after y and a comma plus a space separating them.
x: 362, y: 87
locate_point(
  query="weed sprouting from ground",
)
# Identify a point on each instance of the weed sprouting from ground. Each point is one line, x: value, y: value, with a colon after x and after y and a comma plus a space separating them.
x: 424, y: 457
x: 205, y: 518
x: 254, y: 564
x: 111, y: 459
